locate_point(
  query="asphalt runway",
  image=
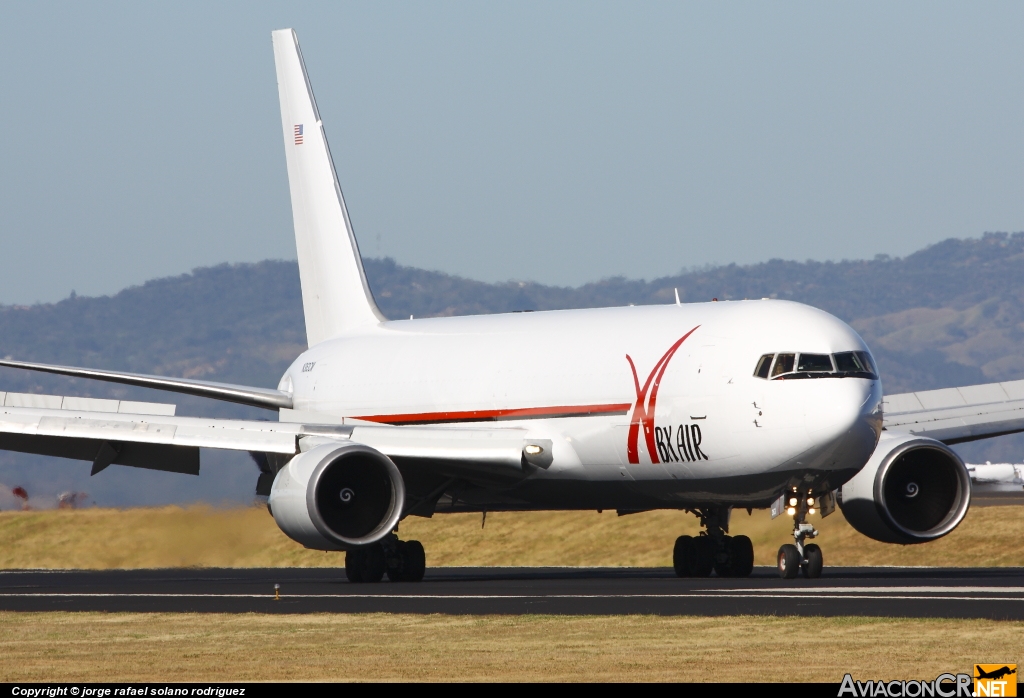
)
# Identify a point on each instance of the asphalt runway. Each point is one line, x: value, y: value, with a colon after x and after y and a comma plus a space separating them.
x: 883, y: 591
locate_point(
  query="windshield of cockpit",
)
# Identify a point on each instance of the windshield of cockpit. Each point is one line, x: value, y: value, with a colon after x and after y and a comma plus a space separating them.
x: 790, y: 365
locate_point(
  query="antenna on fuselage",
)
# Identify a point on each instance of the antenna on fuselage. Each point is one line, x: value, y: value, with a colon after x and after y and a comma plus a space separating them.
x: 677, y: 297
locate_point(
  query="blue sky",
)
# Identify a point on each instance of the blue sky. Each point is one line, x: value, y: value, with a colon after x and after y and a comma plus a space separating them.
x: 557, y: 142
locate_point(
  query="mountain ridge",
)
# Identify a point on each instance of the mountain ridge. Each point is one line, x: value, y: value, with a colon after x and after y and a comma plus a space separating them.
x: 950, y: 314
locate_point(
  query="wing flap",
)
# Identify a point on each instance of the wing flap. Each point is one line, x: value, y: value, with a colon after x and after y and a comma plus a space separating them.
x: 958, y: 415
x: 170, y: 458
x: 239, y: 435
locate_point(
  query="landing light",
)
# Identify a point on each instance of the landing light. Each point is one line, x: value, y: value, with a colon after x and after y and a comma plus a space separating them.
x: 811, y: 510
x: 810, y: 501
x: 533, y: 450
x: 791, y: 511
x: 792, y: 501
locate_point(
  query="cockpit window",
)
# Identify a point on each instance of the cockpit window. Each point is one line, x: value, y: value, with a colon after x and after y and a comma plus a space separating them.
x: 764, y: 365
x: 783, y: 364
x: 846, y: 364
x: 856, y: 364
x: 869, y: 364
x: 815, y: 363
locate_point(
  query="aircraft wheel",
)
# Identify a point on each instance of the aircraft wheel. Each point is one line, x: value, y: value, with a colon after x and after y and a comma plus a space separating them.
x: 354, y: 565
x: 397, y: 563
x: 365, y: 565
x: 702, y: 561
x: 741, y: 557
x: 723, y: 558
x: 681, y: 554
x: 415, y: 561
x: 812, y: 567
x: 408, y: 563
x: 788, y: 561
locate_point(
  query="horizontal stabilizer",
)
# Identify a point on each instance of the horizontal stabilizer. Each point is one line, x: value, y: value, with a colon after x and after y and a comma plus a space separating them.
x: 256, y: 397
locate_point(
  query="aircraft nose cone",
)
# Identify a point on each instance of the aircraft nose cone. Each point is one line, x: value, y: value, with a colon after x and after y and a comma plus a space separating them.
x: 842, y: 404
x: 847, y: 418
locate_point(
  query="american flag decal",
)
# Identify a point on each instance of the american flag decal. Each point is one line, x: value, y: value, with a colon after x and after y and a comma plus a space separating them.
x: 298, y: 134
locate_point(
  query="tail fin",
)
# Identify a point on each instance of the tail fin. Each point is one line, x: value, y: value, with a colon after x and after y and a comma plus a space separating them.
x: 335, y: 295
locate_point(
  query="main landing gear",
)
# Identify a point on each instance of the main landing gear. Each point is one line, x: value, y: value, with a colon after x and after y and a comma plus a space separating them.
x: 713, y: 549
x: 800, y: 558
x: 400, y: 560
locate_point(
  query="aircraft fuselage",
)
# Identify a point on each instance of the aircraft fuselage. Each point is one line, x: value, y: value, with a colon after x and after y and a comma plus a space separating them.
x: 644, y: 406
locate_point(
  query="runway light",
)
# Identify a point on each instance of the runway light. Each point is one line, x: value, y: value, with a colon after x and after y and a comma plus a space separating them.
x: 792, y: 501
x: 791, y: 511
x: 811, y: 510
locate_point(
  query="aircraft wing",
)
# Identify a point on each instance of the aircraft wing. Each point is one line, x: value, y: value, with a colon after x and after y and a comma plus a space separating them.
x: 957, y: 415
x: 148, y: 435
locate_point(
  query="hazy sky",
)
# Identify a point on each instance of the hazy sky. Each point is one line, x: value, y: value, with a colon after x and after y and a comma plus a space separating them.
x: 557, y: 142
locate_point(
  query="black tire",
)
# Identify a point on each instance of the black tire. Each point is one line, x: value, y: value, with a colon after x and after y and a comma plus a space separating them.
x: 396, y: 563
x: 408, y: 563
x: 415, y: 559
x: 354, y: 565
x: 813, y: 563
x: 681, y: 554
x: 702, y: 561
x: 365, y: 565
x: 723, y: 558
x: 788, y: 561
x: 741, y: 557
x: 376, y: 564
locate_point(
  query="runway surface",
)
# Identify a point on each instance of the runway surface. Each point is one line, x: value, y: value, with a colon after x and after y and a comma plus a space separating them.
x: 886, y: 591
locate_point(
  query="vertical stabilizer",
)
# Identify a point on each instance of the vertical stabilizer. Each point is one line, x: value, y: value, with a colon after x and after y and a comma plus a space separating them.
x: 335, y: 295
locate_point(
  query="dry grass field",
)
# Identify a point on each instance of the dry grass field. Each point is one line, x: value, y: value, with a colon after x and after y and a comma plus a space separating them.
x: 248, y: 537
x: 385, y: 647
x: 161, y: 647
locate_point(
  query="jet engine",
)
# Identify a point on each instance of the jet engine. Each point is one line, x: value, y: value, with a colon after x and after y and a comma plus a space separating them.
x: 912, y: 490
x: 338, y: 497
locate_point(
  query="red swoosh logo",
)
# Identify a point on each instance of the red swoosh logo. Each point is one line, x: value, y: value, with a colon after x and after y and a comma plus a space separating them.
x: 643, y: 410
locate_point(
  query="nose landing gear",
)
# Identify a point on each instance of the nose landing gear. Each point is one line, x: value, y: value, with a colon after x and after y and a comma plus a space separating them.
x: 793, y: 559
x: 713, y: 549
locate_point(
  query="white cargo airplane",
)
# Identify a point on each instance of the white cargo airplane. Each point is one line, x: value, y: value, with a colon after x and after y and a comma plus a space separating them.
x: 997, y: 483
x: 699, y: 407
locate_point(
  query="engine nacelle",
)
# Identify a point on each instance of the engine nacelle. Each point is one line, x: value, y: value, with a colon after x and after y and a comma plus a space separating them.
x: 338, y: 497
x: 912, y: 490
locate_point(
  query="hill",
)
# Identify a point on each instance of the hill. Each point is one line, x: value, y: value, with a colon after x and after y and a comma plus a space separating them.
x: 950, y: 314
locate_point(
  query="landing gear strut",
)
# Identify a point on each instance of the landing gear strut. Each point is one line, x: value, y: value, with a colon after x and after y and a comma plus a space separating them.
x: 713, y: 549
x: 400, y: 560
x: 800, y: 557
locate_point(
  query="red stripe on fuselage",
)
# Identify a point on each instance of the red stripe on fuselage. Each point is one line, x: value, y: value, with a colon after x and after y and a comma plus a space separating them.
x: 499, y: 415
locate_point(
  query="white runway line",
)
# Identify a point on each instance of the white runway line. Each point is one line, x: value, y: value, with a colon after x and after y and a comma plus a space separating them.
x: 745, y: 593
x: 871, y: 590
